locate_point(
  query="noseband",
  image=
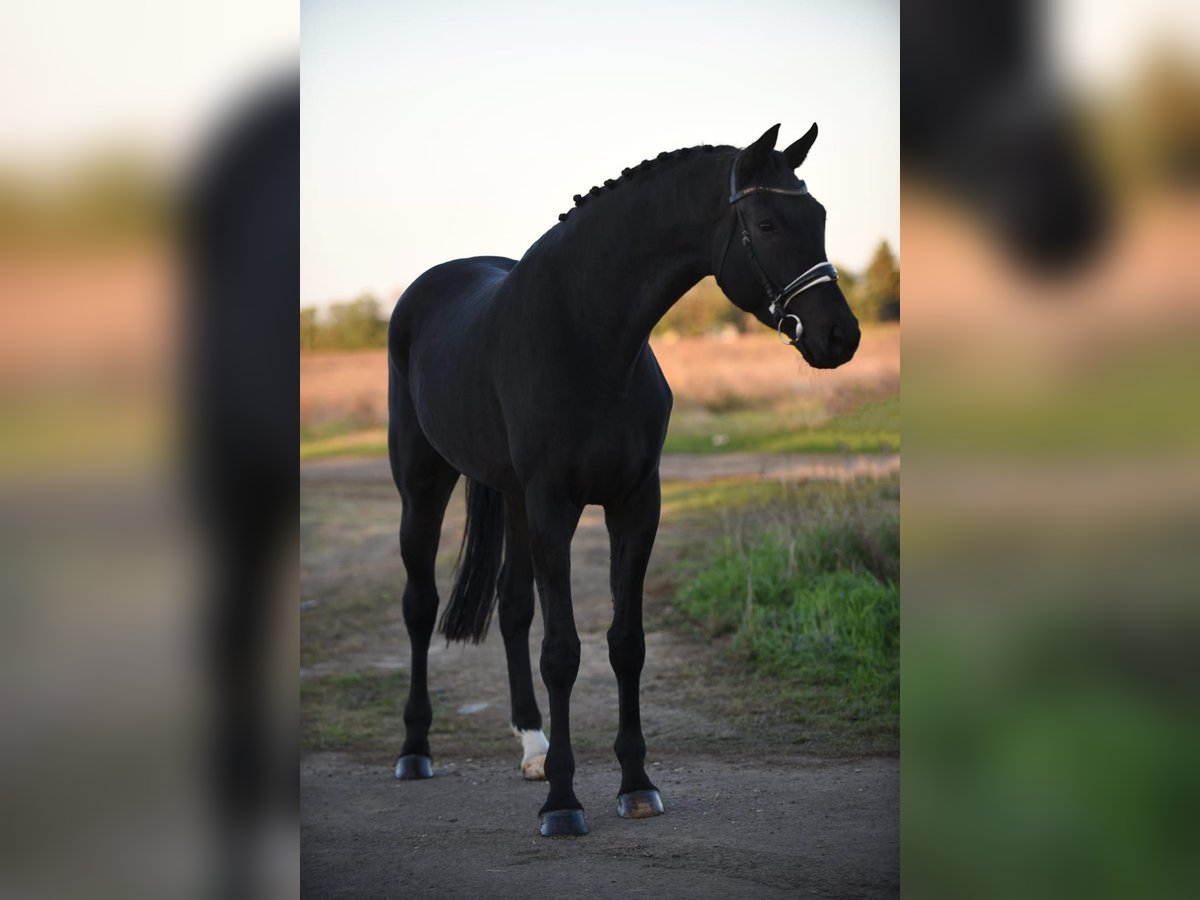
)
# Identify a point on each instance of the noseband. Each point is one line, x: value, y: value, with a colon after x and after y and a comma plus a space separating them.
x: 780, y: 297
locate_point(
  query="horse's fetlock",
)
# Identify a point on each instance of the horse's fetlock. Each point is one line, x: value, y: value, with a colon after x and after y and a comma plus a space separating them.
x: 630, y: 747
x: 418, y: 713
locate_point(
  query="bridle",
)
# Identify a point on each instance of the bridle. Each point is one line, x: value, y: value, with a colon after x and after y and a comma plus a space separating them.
x: 780, y: 297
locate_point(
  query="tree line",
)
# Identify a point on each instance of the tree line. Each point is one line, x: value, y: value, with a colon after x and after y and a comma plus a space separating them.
x: 874, y: 295
x: 358, y: 324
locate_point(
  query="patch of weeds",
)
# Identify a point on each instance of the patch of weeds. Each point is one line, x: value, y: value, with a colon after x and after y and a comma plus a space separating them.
x: 730, y: 401
x: 802, y: 586
x: 357, y: 711
x: 363, y: 712
x: 339, y: 624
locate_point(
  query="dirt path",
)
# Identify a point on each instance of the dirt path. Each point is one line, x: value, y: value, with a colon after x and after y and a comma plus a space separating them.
x: 787, y: 828
x: 749, y: 814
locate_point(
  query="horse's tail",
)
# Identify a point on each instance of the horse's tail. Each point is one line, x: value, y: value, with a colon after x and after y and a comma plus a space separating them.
x: 467, y: 615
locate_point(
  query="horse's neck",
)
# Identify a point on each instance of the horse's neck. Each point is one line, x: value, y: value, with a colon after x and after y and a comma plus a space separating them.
x: 626, y: 257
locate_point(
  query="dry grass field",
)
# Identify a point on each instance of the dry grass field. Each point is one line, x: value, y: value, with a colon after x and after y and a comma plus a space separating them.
x: 343, y: 396
x: 88, y: 356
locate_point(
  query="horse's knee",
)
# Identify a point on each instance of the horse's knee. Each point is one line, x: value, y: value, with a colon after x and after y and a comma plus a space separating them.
x: 627, y: 650
x: 514, y: 623
x: 515, y: 607
x: 560, y: 661
x: 420, y: 611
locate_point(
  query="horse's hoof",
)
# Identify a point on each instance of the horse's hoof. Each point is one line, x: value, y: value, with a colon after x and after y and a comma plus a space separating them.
x: 534, y: 769
x: 564, y: 823
x: 412, y: 767
x: 639, y: 805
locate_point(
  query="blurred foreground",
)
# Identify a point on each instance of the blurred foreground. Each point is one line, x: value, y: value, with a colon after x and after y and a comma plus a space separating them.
x: 147, y: 520
x: 1052, y: 498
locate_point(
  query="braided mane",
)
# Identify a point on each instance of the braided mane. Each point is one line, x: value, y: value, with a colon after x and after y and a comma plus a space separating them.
x: 641, y: 168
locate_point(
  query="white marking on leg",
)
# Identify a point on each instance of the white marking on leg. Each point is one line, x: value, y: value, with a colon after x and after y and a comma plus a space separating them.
x: 534, y: 744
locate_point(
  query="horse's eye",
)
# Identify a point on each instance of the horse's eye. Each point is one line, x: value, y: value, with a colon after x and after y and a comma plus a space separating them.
x: 766, y: 225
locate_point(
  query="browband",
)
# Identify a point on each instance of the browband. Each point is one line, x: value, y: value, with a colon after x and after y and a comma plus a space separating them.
x: 735, y: 195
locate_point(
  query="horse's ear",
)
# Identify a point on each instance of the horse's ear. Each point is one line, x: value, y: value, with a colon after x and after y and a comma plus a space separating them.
x: 798, y: 151
x: 756, y: 154
x: 766, y: 143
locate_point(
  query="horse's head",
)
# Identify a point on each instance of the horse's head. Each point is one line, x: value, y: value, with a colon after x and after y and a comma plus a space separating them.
x: 769, y: 253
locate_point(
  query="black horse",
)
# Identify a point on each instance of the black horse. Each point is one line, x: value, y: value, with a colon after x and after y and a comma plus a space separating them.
x: 535, y: 379
x: 984, y: 119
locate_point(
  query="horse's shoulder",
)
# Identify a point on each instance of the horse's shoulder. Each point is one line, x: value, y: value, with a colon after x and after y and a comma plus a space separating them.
x: 654, y: 373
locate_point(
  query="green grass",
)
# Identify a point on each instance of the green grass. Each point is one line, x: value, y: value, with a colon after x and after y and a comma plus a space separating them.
x: 803, y: 589
x: 371, y: 442
x: 1129, y: 400
x: 689, y: 498
x: 723, y: 427
x: 363, y: 712
x: 1054, y: 752
x: 355, y: 711
x: 873, y: 428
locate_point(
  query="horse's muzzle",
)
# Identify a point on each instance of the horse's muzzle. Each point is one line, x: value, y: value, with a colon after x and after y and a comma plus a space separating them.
x: 837, y: 347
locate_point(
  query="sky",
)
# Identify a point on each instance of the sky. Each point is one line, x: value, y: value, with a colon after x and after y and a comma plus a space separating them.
x: 77, y: 78
x: 1099, y: 44
x: 437, y: 131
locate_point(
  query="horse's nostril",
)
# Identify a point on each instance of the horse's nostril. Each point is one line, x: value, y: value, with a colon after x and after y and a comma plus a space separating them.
x: 843, y: 341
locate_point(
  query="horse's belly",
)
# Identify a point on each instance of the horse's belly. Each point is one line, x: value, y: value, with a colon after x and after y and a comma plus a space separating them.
x: 465, y: 429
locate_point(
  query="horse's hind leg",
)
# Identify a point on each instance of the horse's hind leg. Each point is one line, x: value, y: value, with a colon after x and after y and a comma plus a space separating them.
x: 632, y: 526
x: 425, y: 482
x: 516, y: 614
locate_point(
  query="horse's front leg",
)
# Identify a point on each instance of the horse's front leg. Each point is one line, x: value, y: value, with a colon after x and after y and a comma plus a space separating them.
x: 552, y: 521
x: 632, y: 526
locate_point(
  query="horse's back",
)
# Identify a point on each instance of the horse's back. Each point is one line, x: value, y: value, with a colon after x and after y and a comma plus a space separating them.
x: 444, y: 299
